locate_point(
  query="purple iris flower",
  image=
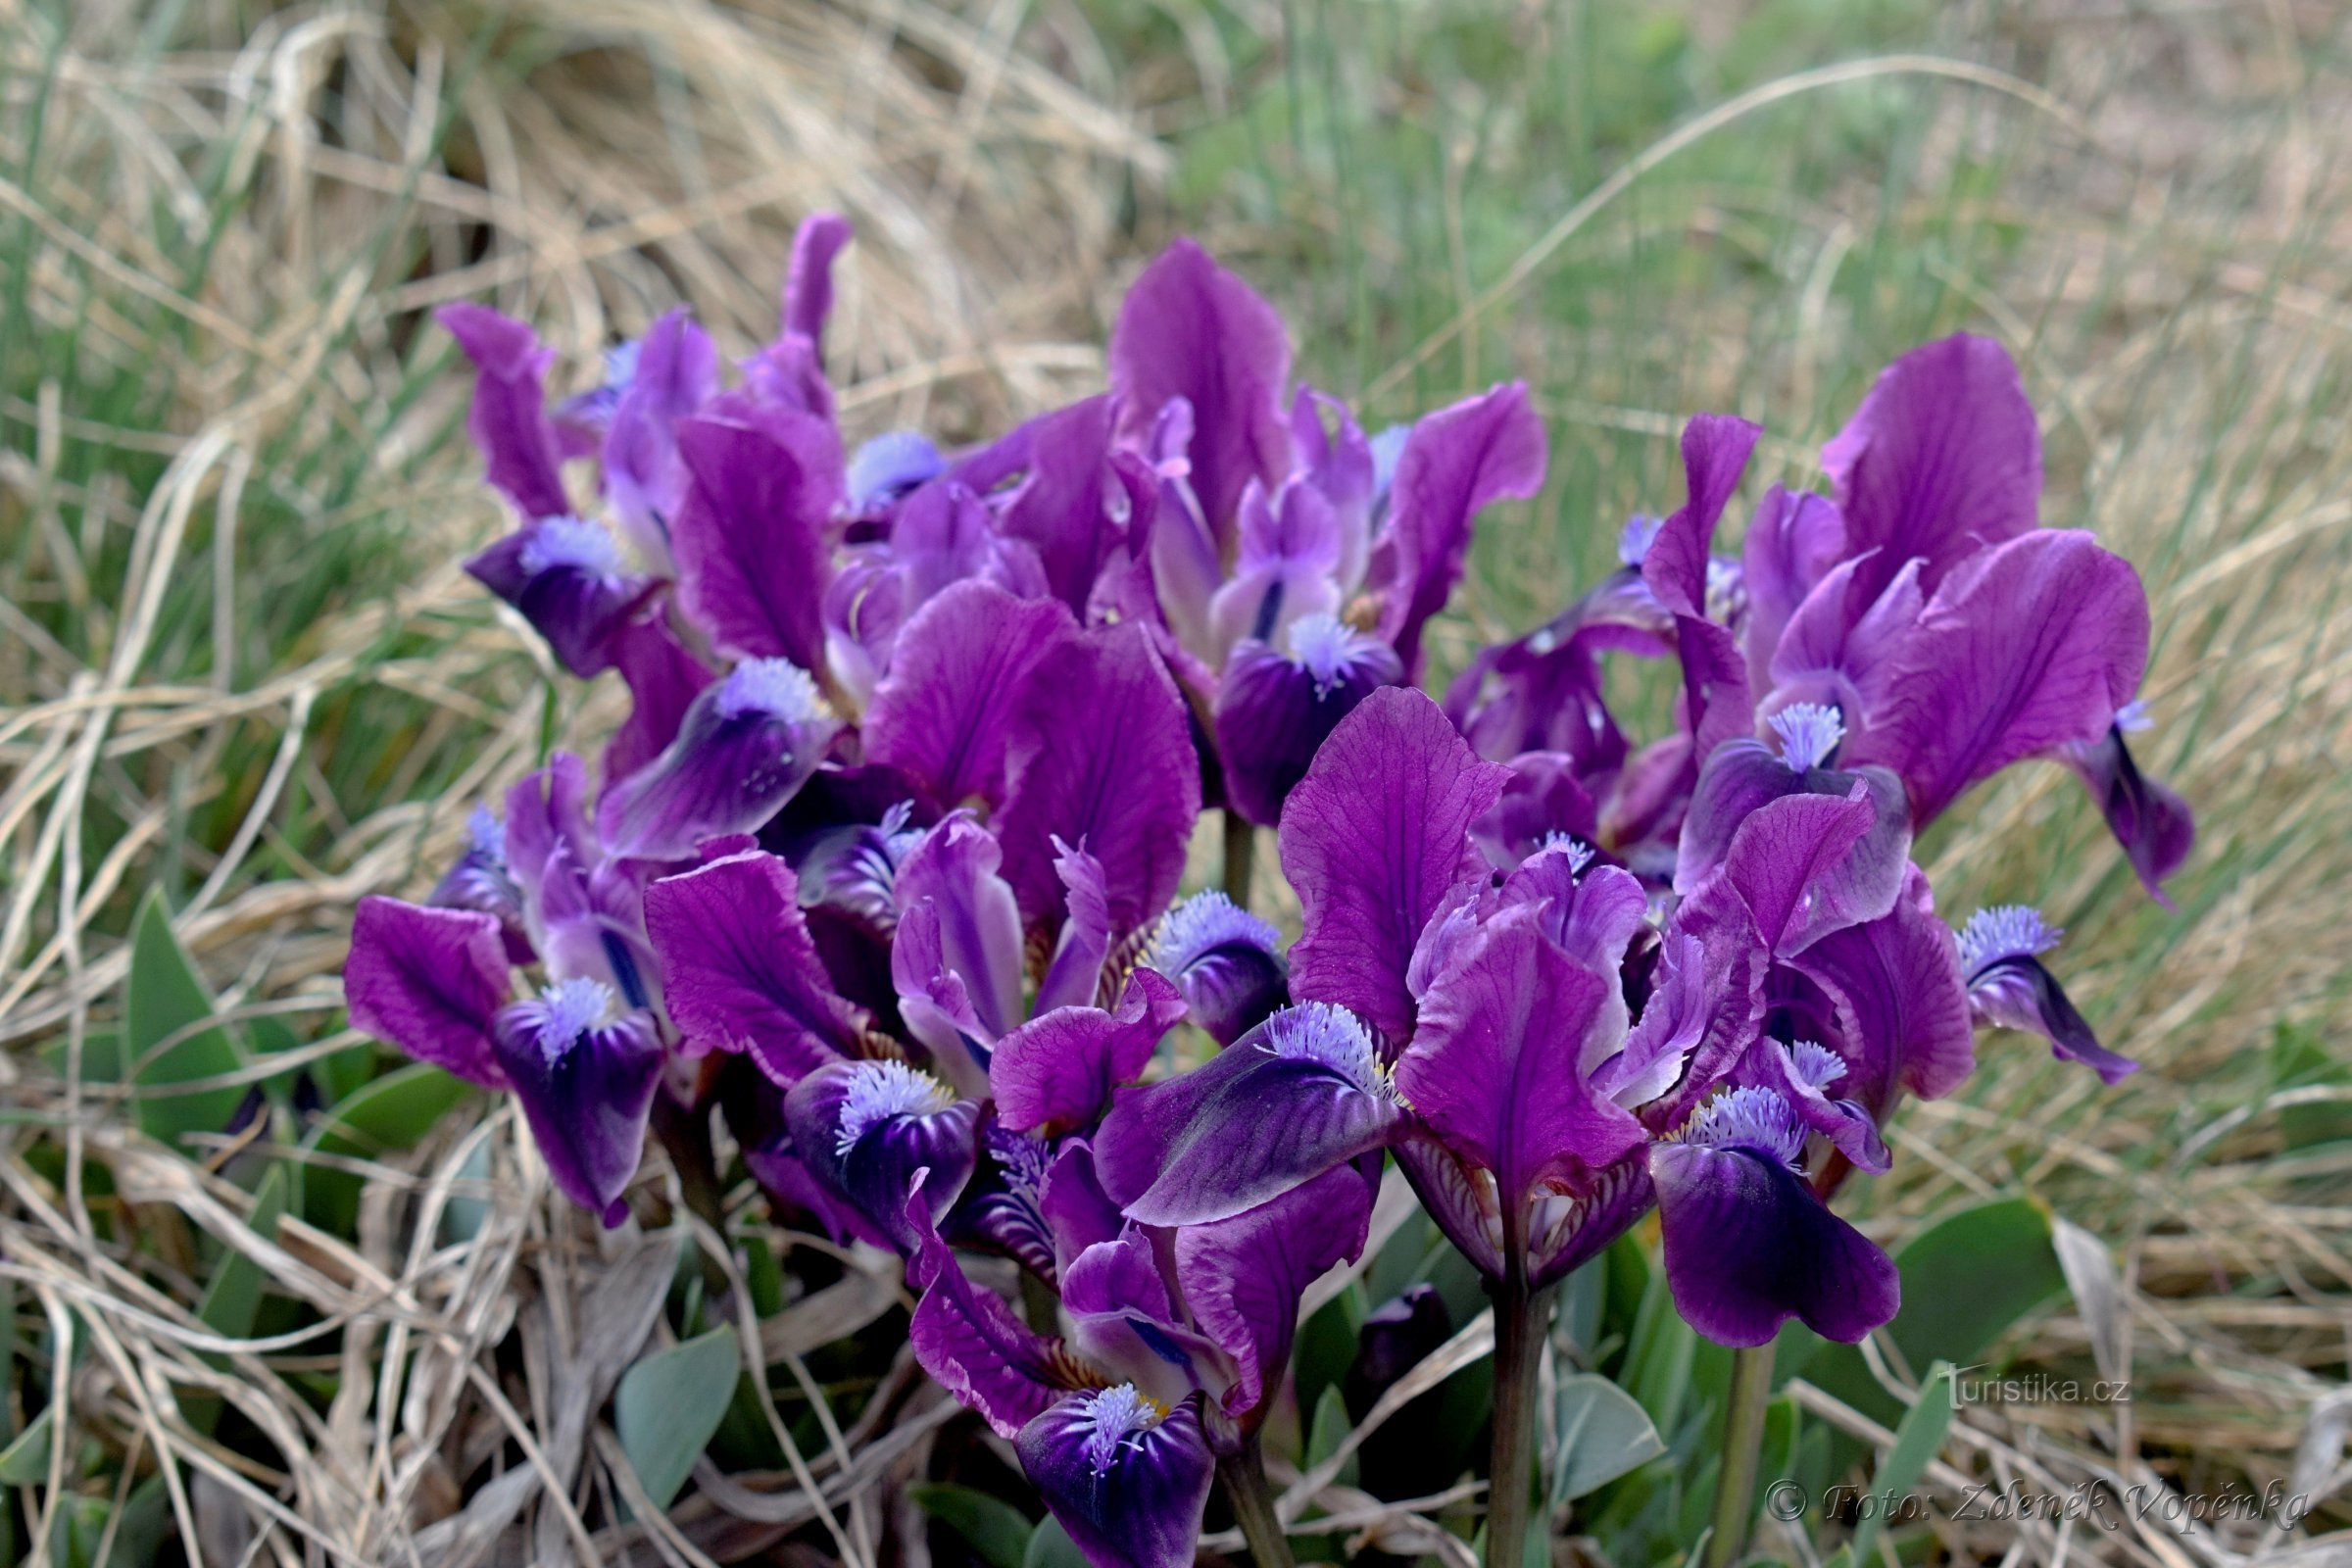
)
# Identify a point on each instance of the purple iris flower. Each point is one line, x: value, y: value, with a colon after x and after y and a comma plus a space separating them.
x: 1538, y: 1053
x: 2008, y: 986
x: 566, y: 576
x: 1225, y: 961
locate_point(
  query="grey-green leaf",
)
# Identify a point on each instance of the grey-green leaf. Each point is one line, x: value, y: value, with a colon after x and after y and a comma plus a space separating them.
x: 1603, y: 1433
x: 669, y: 1403
x: 1914, y: 1444
x: 165, y: 999
x: 1051, y: 1547
x: 997, y: 1531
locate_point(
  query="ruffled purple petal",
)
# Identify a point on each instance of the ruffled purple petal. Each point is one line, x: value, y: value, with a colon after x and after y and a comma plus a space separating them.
x: 1941, y: 459
x: 509, y: 419
x: 1074, y: 974
x: 1899, y: 1000
x: 1274, y: 712
x: 1074, y: 503
x: 1226, y: 961
x: 1705, y: 1004
x: 744, y: 747
x: 1373, y: 838
x: 865, y: 1129
x: 1715, y: 454
x: 1243, y: 1277
x: 1496, y: 1069
x: 1749, y: 1247
x: 969, y: 1340
x: 429, y: 981
x: 1793, y: 859
x: 1127, y: 1480
x: 2153, y: 825
x: 677, y: 373
x: 1099, y: 753
x: 1054, y: 1073
x: 751, y: 537
x: 2027, y: 648
x: 958, y: 672
x: 585, y: 1087
x: 1295, y: 1096
x: 1801, y: 1074
x: 1191, y: 329
x: 740, y: 971
x: 1457, y: 462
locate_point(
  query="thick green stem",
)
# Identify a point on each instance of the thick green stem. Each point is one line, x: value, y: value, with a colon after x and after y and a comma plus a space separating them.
x: 1521, y: 1319
x: 1244, y: 1475
x: 1240, y: 857
x: 1742, y: 1448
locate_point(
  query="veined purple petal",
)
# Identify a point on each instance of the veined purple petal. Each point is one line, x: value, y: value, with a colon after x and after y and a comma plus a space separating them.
x: 663, y: 679
x: 1054, y: 1073
x: 1901, y: 1004
x: 1191, y: 329
x: 953, y: 874
x: 1568, y: 1226
x: 865, y: 1129
x: 1273, y: 712
x: 1792, y: 543
x: 509, y: 420
x: 1099, y: 753
x: 2027, y: 648
x: 1226, y: 961
x: 564, y: 576
x: 2010, y: 987
x: 2151, y: 823
x: 1494, y: 1068
x: 744, y: 747
x: 1715, y: 454
x: 1243, y: 1277
x: 675, y: 373
x: 960, y: 666
x: 1704, y: 1007
x: 585, y: 1086
x: 1074, y: 974
x: 1457, y: 1195
x: 968, y: 1339
x: 1302, y: 1093
x: 749, y: 539
x: 1457, y: 462
x: 1127, y: 1478
x: 1749, y: 1247
x: 1373, y: 838
x: 1941, y: 459
x: 1798, y: 862
x: 1742, y: 776
x: 429, y: 981
x: 740, y: 971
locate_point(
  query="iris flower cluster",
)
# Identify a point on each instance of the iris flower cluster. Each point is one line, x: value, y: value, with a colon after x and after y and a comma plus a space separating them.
x: 881, y: 864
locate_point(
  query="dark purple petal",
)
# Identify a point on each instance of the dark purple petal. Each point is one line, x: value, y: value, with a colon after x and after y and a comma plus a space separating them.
x: 1941, y: 459
x: 1900, y: 1004
x: 429, y: 981
x: 1498, y: 1067
x: 1717, y: 705
x: 1543, y: 801
x: 1225, y: 960
x: 1099, y: 753
x: 1243, y: 1277
x: 2027, y: 648
x: 1801, y: 1075
x: 1191, y: 329
x: 1295, y: 1096
x: 564, y: 576
x: 1568, y: 1226
x: 479, y: 880
x: 2153, y: 825
x: 1749, y: 1247
x: 1076, y: 1210
x: 663, y: 679
x: 969, y: 1340
x: 509, y: 420
x: 1372, y: 839
x: 1124, y: 1326
x: 1127, y: 1481
x: 585, y: 1086
x: 865, y: 1129
x: 2008, y: 986
x: 1054, y: 1073
x: 1457, y: 462
x: 740, y: 971
x: 1792, y: 543
x: 1000, y: 1209
x: 952, y: 878
x: 1273, y: 712
x: 958, y: 671
x: 749, y: 539
x: 677, y: 373
x: 1073, y: 505
x: 744, y: 747
x: 1715, y: 453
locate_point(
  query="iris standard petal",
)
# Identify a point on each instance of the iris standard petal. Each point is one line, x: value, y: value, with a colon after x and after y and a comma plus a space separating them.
x: 509, y: 419
x: 953, y: 871
x: 675, y: 373
x: 943, y: 713
x: 751, y: 537
x: 1715, y: 454
x: 1373, y: 838
x: 1073, y: 976
x: 1792, y: 543
x: 430, y: 981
